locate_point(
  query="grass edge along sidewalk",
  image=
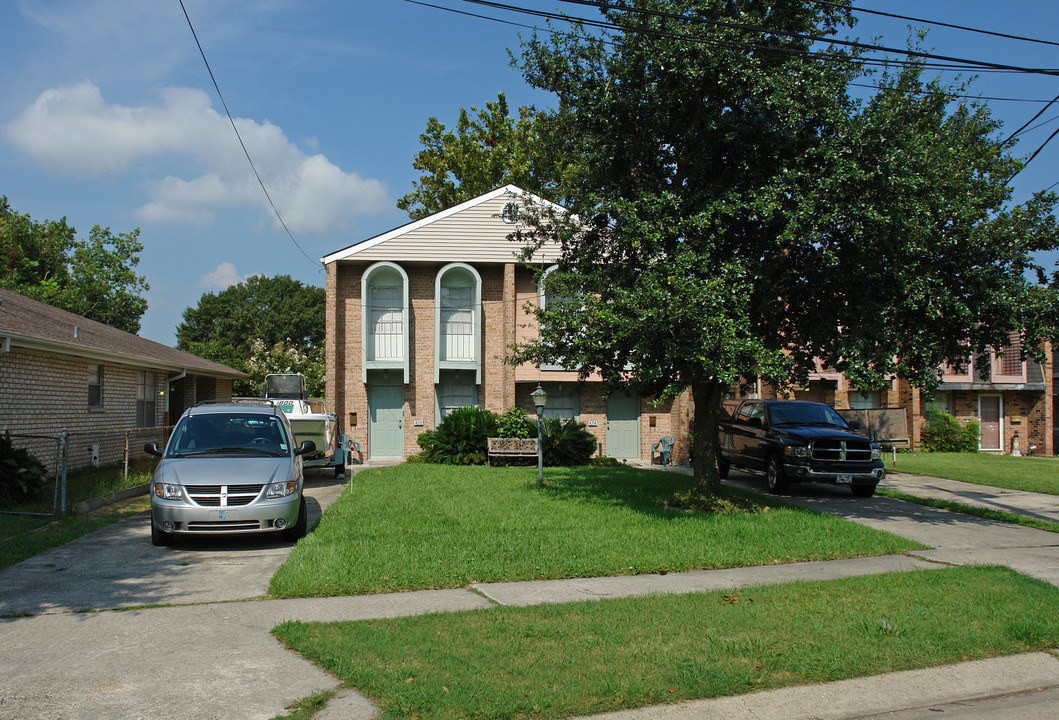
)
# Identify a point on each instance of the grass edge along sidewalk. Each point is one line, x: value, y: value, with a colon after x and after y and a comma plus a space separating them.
x: 584, y: 658
x: 1029, y: 474
x: 410, y: 527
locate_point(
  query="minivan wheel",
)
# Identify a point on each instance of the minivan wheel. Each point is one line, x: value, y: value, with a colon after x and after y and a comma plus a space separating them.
x: 777, y: 478
x: 723, y: 466
x: 297, y: 531
x: 158, y: 538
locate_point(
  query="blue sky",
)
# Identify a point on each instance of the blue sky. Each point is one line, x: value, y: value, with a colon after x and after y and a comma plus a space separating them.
x: 109, y: 117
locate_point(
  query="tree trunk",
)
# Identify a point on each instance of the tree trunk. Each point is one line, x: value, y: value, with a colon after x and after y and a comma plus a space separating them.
x: 707, y: 396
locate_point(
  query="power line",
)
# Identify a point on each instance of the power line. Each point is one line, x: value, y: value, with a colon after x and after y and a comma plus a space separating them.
x: 852, y: 44
x: 938, y: 23
x: 246, y: 152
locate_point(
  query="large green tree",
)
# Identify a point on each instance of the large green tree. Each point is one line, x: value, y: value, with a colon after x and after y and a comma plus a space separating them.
x: 738, y: 214
x: 488, y: 149
x: 243, y: 324
x: 96, y: 277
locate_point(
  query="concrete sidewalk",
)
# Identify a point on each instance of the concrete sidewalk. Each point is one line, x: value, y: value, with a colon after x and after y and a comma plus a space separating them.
x: 161, y: 662
x: 1018, y: 502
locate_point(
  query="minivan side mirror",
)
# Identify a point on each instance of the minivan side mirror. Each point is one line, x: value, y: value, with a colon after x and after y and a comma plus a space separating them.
x: 153, y: 448
x: 854, y: 425
x: 306, y: 447
x: 755, y: 422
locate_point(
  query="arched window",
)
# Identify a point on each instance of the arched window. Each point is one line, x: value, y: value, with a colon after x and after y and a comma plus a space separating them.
x: 384, y: 294
x: 458, y: 320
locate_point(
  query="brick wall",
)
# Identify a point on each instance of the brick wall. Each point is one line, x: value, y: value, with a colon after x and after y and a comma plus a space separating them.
x: 502, y: 386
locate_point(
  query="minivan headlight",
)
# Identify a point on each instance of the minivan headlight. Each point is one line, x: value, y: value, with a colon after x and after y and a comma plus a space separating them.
x: 876, y: 453
x: 799, y: 451
x: 281, y: 489
x: 168, y: 491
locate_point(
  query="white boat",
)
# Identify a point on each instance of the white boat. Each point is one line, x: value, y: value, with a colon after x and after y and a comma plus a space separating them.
x: 307, y: 417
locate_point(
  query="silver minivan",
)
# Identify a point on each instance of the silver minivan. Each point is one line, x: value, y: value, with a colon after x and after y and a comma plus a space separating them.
x: 229, y: 468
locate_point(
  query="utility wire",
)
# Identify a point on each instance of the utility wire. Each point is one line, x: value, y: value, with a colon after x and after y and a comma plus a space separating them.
x: 602, y: 5
x: 240, y: 137
x: 936, y: 22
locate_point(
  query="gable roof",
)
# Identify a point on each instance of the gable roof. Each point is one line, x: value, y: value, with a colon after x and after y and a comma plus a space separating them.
x: 35, y: 325
x: 472, y: 231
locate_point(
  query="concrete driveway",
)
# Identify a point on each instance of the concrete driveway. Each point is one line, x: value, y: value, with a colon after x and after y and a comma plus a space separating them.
x: 189, y: 661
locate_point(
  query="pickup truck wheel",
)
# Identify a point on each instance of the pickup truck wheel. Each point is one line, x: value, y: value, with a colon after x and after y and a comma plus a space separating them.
x: 777, y: 478
x: 723, y: 466
x: 863, y: 490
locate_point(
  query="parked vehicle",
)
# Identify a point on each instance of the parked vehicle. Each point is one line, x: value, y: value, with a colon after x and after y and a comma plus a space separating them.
x: 229, y: 468
x: 309, y: 422
x: 797, y: 441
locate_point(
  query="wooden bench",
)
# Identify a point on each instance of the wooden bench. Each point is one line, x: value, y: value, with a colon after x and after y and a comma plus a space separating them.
x: 511, y: 447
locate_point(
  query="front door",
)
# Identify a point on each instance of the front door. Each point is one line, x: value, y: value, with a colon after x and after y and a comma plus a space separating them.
x: 386, y: 421
x: 623, y: 425
x: 991, y: 415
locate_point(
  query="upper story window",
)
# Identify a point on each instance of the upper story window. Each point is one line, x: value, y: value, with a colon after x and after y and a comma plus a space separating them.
x: 457, y: 320
x: 384, y: 294
x: 95, y: 386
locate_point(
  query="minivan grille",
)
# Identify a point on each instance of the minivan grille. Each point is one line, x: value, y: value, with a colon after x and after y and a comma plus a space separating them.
x: 223, y: 495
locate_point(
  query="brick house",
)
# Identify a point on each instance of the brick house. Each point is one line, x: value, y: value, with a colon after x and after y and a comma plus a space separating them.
x: 59, y: 370
x: 420, y: 318
x: 1014, y: 401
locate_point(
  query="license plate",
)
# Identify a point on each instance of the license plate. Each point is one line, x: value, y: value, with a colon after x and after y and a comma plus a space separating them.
x: 222, y: 515
x: 845, y: 479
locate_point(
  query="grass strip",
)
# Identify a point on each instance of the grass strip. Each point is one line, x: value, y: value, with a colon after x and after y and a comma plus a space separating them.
x: 1031, y: 474
x: 429, y: 526
x: 989, y: 514
x: 23, y: 536
x: 593, y: 657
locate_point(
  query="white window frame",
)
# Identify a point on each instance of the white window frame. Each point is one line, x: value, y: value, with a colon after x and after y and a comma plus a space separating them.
x: 372, y: 278
x: 443, y: 398
x: 441, y: 361
x: 95, y: 380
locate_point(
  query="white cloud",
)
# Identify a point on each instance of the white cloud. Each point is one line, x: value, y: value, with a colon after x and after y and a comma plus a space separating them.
x: 224, y: 276
x: 73, y: 131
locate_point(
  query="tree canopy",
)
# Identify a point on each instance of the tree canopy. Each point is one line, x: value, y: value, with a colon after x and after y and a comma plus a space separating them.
x: 488, y: 149
x: 95, y: 278
x: 738, y: 215
x: 258, y: 324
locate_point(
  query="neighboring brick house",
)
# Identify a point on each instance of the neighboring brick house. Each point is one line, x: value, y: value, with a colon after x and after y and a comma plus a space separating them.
x: 1014, y: 402
x: 420, y: 318
x: 61, y: 371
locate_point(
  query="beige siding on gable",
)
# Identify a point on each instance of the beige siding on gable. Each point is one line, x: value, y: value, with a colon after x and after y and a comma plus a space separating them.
x: 476, y: 234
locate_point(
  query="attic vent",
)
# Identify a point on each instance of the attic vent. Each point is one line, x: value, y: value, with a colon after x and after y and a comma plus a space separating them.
x: 76, y: 332
x: 510, y: 213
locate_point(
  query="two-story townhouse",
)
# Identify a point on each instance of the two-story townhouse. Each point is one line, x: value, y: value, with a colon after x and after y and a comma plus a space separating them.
x: 1012, y: 400
x: 420, y: 319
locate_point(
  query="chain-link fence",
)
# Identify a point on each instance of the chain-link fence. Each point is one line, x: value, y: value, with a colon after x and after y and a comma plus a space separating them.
x: 30, y: 472
x: 42, y: 474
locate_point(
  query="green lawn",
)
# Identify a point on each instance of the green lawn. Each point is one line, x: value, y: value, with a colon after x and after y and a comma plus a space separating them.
x: 1033, y: 474
x: 23, y: 536
x: 418, y: 526
x: 592, y: 657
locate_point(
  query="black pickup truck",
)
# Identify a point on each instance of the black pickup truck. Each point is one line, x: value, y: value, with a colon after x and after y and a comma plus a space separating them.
x: 794, y: 441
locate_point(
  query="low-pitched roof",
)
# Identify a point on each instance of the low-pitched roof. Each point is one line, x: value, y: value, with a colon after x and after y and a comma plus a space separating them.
x: 475, y: 229
x: 32, y: 324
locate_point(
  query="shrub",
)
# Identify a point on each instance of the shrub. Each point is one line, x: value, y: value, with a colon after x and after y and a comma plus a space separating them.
x: 461, y: 438
x: 516, y: 423
x: 22, y: 476
x: 603, y: 461
x: 566, y: 442
x: 944, y: 433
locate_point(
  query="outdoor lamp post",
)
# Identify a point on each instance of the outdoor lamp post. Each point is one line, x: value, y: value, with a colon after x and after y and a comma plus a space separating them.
x: 539, y: 399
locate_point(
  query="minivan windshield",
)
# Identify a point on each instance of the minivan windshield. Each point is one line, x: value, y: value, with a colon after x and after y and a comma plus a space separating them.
x: 230, y: 433
x: 804, y: 414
